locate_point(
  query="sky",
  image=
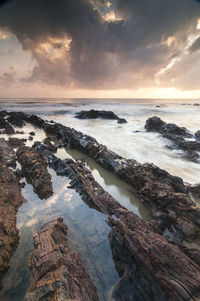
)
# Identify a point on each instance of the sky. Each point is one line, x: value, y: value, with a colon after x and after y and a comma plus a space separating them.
x: 100, y: 48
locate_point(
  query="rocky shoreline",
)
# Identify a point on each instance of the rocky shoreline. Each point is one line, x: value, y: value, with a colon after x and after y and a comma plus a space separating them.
x: 180, y: 137
x: 150, y: 263
x: 10, y: 200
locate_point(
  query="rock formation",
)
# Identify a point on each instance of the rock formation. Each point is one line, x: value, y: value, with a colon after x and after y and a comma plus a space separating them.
x: 35, y: 169
x: 94, y: 114
x: 10, y: 200
x: 177, y: 135
x: 57, y: 273
x: 154, y: 266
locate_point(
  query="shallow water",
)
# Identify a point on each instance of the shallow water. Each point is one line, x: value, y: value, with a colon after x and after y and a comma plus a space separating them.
x: 87, y: 234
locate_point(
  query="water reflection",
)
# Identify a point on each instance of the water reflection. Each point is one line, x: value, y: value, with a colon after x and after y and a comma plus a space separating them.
x: 121, y: 191
x: 87, y: 234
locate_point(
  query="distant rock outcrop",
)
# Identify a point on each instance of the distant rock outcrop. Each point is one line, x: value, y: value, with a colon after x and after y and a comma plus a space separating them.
x: 180, y: 137
x: 94, y: 114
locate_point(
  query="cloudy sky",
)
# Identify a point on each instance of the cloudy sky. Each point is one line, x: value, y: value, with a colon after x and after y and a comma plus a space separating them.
x: 100, y: 48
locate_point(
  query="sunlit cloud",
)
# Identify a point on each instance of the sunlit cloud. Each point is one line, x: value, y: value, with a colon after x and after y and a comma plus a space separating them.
x: 4, y: 34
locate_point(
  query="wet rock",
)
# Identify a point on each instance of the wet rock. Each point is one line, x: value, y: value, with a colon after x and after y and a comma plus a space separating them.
x: 10, y: 200
x: 57, y: 272
x: 3, y: 113
x: 197, y: 135
x: 16, y: 119
x: 150, y: 266
x: 122, y: 120
x: 8, y: 129
x: 7, y: 154
x: 94, y: 114
x: 157, y: 189
x: 30, y: 138
x: 15, y: 142
x: 155, y: 124
x: 178, y: 136
x: 32, y: 133
x: 35, y: 170
x: 49, y: 145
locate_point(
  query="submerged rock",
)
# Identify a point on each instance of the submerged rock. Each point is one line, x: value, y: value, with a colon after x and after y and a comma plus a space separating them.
x: 35, y: 169
x: 57, y: 272
x: 94, y: 114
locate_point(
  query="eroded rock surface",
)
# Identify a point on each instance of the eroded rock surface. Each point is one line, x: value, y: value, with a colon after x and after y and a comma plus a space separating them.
x: 10, y: 200
x: 7, y: 154
x: 165, y: 195
x: 151, y: 267
x: 57, y: 272
x: 35, y: 169
x: 94, y: 114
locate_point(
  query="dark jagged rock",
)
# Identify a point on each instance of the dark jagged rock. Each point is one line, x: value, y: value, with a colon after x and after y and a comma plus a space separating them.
x: 16, y: 119
x: 197, y: 135
x: 57, y: 273
x: 150, y: 266
x: 165, y: 195
x: 155, y: 124
x: 32, y: 133
x: 35, y: 170
x: 8, y: 129
x: 7, y: 154
x: 178, y: 136
x: 47, y: 142
x: 10, y: 200
x: 94, y: 114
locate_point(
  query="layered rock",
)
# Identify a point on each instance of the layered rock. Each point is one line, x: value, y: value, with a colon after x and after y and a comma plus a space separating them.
x: 57, y: 272
x: 151, y: 267
x: 165, y: 195
x: 94, y: 114
x: 177, y: 135
x: 7, y: 154
x: 10, y: 200
x: 35, y: 170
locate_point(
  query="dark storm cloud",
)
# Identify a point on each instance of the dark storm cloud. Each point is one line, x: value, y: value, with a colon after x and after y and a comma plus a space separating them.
x: 102, y: 54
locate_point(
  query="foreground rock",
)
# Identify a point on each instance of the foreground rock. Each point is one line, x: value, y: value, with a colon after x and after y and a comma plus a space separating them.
x: 57, y: 273
x: 94, y: 114
x: 177, y: 135
x: 35, y: 169
x: 151, y: 267
x: 10, y: 200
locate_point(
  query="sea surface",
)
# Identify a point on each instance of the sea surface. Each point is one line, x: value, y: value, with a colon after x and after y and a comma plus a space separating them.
x: 88, y: 229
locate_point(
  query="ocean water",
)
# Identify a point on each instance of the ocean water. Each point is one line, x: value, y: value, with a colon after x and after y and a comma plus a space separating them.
x: 129, y: 140
x: 88, y: 229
